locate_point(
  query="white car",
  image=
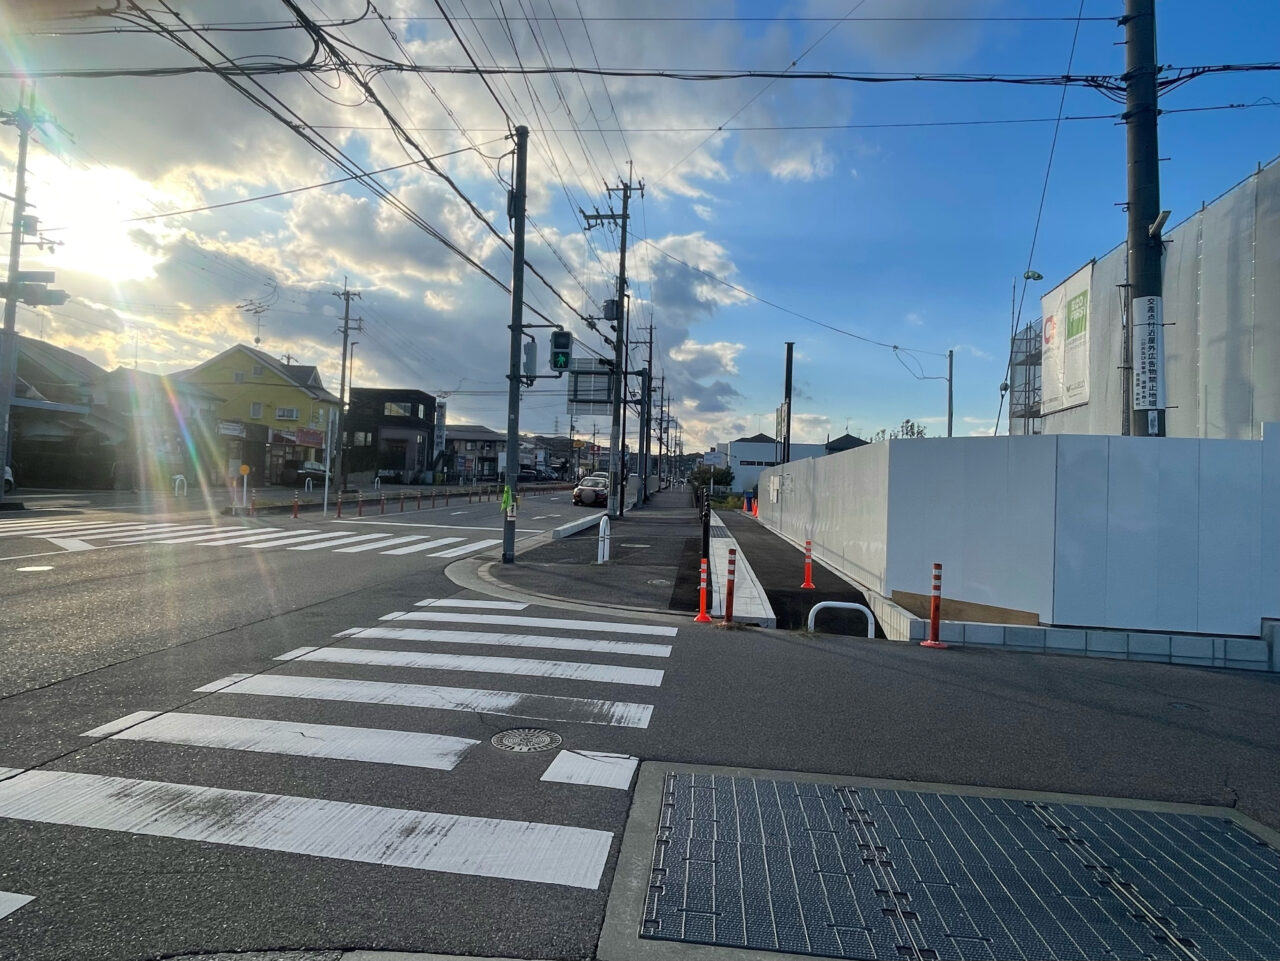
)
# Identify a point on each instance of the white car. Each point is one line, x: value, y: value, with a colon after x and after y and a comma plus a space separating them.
x: 8, y: 479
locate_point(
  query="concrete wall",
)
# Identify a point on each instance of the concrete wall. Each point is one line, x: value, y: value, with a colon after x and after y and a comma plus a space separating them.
x: 1178, y: 535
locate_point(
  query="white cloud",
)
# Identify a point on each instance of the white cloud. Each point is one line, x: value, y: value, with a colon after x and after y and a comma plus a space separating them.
x: 914, y: 319
x: 703, y: 211
x: 707, y: 360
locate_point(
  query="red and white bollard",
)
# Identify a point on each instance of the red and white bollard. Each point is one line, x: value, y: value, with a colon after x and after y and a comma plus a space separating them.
x: 935, y: 609
x: 728, y: 588
x: 295, y: 505
x: 360, y: 505
x: 339, y: 503
x: 253, y: 504
x: 808, y: 564
x: 419, y: 507
x: 703, y: 617
x: 382, y: 503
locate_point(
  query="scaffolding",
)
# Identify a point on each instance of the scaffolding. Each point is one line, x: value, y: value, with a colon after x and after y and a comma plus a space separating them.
x: 1024, y: 381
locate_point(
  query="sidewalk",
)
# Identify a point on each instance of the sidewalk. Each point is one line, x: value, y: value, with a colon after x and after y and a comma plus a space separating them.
x: 653, y: 563
x: 779, y: 567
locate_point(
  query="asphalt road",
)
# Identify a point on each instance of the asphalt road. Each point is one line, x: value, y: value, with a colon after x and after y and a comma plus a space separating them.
x: 245, y: 844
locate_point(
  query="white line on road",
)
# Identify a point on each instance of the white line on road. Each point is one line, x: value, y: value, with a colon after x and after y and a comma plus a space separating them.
x: 190, y: 529
x: 378, y: 545
x: 421, y: 840
x: 470, y: 602
x: 348, y: 539
x: 10, y: 902
x: 326, y: 539
x: 593, y: 768
x: 592, y: 645
x: 456, y: 513
x: 431, y: 660
x: 512, y: 620
x: 467, y: 548
x: 541, y: 707
x: 415, y: 548
x: 74, y: 530
x: 243, y: 536
x: 374, y: 745
x: 444, y: 527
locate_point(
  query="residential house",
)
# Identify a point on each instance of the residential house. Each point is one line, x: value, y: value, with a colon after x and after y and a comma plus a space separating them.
x: 474, y: 453
x: 56, y: 439
x: 845, y: 442
x: 389, y: 433
x: 170, y: 429
x: 272, y: 411
x: 747, y: 456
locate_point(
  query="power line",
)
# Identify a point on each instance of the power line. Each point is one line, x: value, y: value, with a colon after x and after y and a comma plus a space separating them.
x: 787, y: 310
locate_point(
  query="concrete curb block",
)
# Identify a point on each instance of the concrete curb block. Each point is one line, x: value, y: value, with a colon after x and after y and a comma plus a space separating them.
x: 573, y: 527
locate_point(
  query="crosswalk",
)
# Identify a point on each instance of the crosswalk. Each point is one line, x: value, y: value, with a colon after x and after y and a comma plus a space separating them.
x: 431, y: 542
x: 424, y: 725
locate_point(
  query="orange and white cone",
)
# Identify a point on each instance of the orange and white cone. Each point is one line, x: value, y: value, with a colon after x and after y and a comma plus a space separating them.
x: 703, y: 617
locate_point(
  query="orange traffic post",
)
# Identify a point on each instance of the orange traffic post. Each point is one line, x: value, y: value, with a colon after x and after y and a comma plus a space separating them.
x: 295, y: 504
x: 728, y: 589
x: 253, y: 503
x: 703, y: 617
x: 935, y: 609
x: 755, y: 507
x: 419, y: 507
x: 808, y: 565
x: 360, y: 504
x: 402, y: 502
x: 339, y: 503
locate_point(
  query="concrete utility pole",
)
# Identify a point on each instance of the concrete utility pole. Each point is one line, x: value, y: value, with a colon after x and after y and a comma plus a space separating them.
x: 951, y: 358
x: 786, y: 399
x: 347, y: 322
x: 1146, y: 247
x: 23, y: 120
x: 619, y: 347
x: 517, y: 334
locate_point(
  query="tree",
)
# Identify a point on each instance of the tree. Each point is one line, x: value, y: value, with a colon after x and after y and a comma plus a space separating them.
x: 908, y: 428
x: 704, y: 476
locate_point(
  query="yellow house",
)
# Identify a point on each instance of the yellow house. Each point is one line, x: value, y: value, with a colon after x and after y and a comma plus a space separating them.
x: 276, y: 416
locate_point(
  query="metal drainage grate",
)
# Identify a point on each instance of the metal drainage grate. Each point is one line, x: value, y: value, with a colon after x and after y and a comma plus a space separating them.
x: 526, y: 740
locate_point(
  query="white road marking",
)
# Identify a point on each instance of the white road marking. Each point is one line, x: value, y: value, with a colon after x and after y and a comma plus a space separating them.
x: 375, y: 745
x: 481, y: 664
x: 414, y: 548
x: 33, y: 568
x: 348, y: 539
x: 634, y: 545
x: 74, y: 530
x: 378, y: 545
x: 469, y: 602
x: 541, y: 707
x: 118, y: 725
x: 467, y: 548
x: 325, y: 538
x: 540, y: 517
x: 638, y: 648
x: 142, y: 539
x: 592, y: 767
x: 71, y: 544
x: 10, y: 902
x: 452, y: 843
x: 39, y: 522
x: 521, y: 621
x: 444, y: 527
x: 243, y: 536
x: 456, y: 513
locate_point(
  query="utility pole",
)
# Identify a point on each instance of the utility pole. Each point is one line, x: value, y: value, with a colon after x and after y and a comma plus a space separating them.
x: 516, y: 206
x: 347, y: 321
x: 619, y: 346
x: 24, y: 121
x: 786, y: 400
x: 1146, y: 247
x: 951, y: 356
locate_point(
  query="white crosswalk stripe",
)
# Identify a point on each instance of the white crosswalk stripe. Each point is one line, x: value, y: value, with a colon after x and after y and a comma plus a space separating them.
x: 533, y: 851
x: 538, y: 707
x: 568, y: 670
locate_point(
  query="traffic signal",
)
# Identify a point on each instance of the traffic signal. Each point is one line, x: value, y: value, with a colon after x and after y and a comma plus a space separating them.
x: 561, y: 349
x: 41, y: 295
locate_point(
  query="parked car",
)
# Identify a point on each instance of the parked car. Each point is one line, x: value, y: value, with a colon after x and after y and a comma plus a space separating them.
x: 297, y: 472
x: 591, y: 490
x: 8, y: 479
x: 601, y: 473
x: 528, y: 476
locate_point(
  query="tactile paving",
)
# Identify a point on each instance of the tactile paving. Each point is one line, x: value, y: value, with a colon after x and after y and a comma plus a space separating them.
x: 845, y: 872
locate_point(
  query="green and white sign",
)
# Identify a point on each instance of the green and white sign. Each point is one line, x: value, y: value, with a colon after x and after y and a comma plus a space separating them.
x: 1064, y: 373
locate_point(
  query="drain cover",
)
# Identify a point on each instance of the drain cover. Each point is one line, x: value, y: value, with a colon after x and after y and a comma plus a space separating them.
x: 526, y: 740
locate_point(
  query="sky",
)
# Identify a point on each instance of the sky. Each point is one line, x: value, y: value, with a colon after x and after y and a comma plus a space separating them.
x: 901, y: 214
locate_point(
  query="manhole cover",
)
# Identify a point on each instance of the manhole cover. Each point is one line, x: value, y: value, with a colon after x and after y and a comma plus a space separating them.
x: 526, y: 740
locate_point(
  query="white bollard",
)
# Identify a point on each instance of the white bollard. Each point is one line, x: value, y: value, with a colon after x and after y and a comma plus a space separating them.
x: 308, y: 485
x: 602, y: 552
x: 377, y: 483
x: 847, y: 606
x: 179, y: 485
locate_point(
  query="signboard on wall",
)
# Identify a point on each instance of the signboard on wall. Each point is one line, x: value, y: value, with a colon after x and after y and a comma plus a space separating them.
x: 591, y: 384
x: 438, y: 445
x: 1065, y: 332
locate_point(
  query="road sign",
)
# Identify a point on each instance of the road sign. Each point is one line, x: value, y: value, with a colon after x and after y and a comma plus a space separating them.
x: 561, y: 349
x: 244, y: 470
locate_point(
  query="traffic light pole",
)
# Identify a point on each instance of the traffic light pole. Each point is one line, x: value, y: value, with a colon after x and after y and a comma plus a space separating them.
x: 517, y: 333
x: 22, y: 119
